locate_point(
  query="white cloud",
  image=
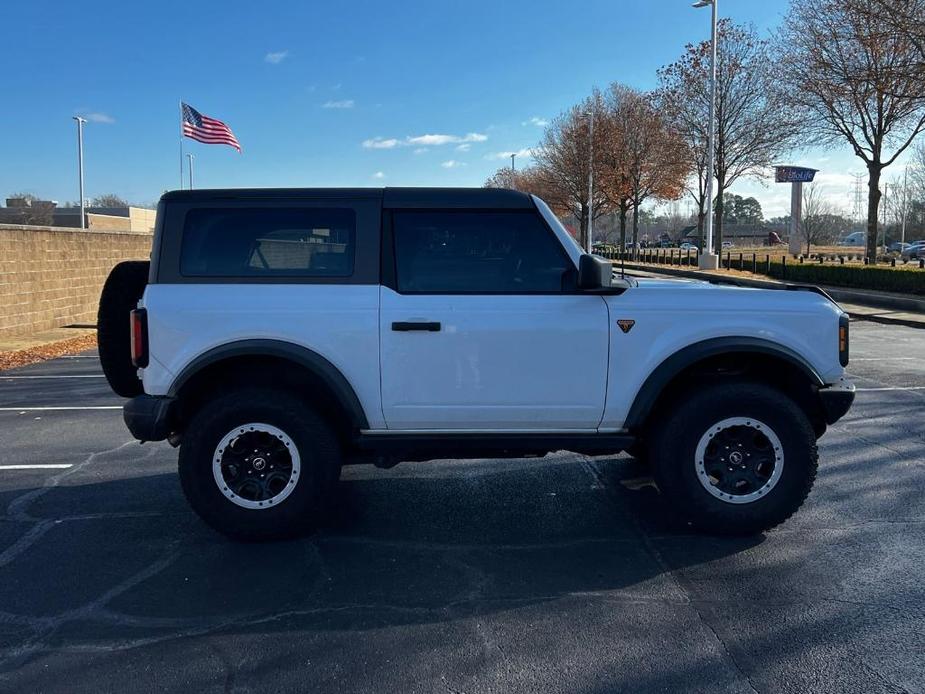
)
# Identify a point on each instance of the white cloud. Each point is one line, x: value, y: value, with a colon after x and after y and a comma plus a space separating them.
x: 525, y: 152
x: 380, y: 143
x: 421, y: 150
x: 424, y: 141
x: 537, y: 121
x: 343, y: 103
x: 437, y: 140
x: 379, y: 174
x: 464, y: 147
x: 276, y: 57
x: 452, y: 164
x: 97, y: 117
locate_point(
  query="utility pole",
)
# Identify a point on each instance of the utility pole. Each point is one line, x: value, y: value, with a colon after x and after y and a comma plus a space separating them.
x: 708, y: 260
x: 905, y: 203
x: 590, y: 176
x: 189, y: 158
x: 513, y: 154
x: 80, y: 169
x: 858, y: 211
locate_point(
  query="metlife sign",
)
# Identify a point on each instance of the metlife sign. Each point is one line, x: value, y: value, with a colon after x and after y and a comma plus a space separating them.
x: 794, y: 174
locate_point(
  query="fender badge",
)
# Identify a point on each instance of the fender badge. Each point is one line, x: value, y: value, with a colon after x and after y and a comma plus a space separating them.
x: 626, y: 324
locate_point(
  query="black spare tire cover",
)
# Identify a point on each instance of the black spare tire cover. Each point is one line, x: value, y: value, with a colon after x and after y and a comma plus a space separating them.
x: 121, y: 292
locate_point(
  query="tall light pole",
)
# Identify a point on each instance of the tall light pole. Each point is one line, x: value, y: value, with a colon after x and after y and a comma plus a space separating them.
x: 513, y: 154
x: 189, y: 158
x: 708, y: 259
x: 590, y: 115
x: 80, y: 169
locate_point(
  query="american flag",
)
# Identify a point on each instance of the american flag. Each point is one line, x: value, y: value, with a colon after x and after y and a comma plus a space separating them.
x: 208, y: 130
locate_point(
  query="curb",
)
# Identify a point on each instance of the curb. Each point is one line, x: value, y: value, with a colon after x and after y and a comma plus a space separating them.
x: 886, y: 320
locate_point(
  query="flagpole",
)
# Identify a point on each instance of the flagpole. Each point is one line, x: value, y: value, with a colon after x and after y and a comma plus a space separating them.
x: 181, y: 143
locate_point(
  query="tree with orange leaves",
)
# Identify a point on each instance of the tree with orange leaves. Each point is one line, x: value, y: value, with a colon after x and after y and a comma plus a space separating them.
x: 649, y: 160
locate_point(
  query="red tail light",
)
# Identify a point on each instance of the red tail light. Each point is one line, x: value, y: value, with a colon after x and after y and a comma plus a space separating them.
x: 139, y: 320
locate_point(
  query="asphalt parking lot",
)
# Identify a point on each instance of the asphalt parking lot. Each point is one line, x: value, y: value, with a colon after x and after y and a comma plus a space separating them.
x: 558, y: 574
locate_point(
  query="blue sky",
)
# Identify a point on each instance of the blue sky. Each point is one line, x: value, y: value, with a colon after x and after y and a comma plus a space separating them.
x: 305, y: 84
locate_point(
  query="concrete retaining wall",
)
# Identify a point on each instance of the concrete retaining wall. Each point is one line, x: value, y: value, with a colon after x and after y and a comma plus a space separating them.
x: 52, y: 276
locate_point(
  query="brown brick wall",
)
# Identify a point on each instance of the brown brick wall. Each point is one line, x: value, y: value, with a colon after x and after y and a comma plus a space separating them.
x: 52, y: 276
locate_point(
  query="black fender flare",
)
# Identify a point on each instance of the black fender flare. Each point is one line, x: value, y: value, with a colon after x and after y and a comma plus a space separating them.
x: 673, y: 365
x: 329, y: 374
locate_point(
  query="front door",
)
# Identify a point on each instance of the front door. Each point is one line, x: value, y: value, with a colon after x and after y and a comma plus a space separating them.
x: 481, y: 329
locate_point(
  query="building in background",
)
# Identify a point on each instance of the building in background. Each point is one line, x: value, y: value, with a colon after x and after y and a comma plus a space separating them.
x: 47, y: 213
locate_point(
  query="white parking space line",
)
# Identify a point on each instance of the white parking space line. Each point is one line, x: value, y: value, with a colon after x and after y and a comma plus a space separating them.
x: 10, y: 378
x: 61, y: 466
x: 886, y: 359
x: 870, y: 390
x: 53, y: 409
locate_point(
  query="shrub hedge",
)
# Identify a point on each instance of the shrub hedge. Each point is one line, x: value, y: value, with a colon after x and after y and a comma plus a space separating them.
x: 908, y: 280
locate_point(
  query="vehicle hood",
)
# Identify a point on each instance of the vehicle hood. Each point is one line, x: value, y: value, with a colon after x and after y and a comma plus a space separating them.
x: 670, y: 282
x: 684, y: 292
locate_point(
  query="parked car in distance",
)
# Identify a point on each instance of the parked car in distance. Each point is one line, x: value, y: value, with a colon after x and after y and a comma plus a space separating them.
x: 688, y: 246
x: 278, y: 334
x: 914, y: 251
x: 897, y: 247
x: 728, y: 244
x: 857, y: 238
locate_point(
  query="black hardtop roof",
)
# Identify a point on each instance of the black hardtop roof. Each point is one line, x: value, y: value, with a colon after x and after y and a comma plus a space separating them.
x: 392, y: 198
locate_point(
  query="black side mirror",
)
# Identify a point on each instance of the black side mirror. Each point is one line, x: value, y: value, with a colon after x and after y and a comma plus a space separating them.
x: 594, y: 272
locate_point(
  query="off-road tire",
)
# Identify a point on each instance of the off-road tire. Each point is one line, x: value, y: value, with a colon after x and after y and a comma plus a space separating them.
x: 121, y: 292
x: 692, y: 416
x: 317, y: 447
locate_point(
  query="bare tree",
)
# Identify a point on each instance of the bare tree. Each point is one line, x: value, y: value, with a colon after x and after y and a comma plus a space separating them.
x: 692, y: 128
x: 563, y: 162
x: 905, y: 20
x: 853, y: 79
x: 752, y: 126
x: 819, y: 225
x: 917, y: 172
x: 108, y: 200
x: 900, y: 202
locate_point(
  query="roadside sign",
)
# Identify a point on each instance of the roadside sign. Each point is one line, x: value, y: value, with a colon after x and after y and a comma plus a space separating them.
x: 794, y: 174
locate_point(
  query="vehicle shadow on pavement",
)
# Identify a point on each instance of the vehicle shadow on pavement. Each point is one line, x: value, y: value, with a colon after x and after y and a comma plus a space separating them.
x: 429, y: 543
x: 500, y: 566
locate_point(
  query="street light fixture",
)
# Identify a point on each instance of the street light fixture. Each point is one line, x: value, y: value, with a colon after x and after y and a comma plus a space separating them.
x: 708, y: 259
x: 80, y: 168
x: 590, y: 114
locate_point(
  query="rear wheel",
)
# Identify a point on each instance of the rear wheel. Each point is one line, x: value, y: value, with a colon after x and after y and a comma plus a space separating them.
x: 259, y: 464
x: 737, y: 458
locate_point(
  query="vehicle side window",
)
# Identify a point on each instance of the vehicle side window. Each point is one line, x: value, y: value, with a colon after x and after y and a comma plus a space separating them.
x: 268, y: 242
x: 491, y: 252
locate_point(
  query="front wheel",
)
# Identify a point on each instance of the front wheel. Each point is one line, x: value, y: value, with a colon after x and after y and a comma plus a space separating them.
x: 742, y: 460
x: 258, y: 464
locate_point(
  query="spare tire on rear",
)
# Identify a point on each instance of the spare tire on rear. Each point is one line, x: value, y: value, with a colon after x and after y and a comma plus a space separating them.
x: 121, y: 292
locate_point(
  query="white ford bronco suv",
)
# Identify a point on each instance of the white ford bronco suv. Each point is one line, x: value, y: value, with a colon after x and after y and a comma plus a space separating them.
x: 278, y: 334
